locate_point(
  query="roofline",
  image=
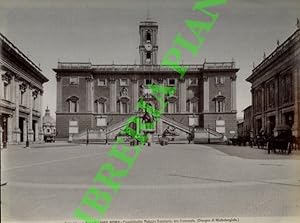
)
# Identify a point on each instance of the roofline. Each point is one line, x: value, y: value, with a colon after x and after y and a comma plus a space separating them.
x: 24, y: 57
x: 272, y: 54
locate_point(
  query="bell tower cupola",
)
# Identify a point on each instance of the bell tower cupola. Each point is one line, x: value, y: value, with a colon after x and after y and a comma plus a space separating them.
x: 148, y: 42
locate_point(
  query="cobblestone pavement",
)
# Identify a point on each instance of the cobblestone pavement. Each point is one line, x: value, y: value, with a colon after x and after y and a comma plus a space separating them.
x: 247, y: 152
x: 178, y: 180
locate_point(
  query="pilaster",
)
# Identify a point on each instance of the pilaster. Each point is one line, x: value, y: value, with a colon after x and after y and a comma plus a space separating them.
x: 135, y: 93
x: 16, y: 131
x: 182, y: 96
x: 205, y: 94
x: 296, y: 125
x: 113, y: 95
x: 233, y: 93
x: 90, y: 94
x: 40, y: 121
x: 58, y: 94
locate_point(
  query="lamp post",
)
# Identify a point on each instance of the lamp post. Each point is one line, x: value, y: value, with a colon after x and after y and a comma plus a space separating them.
x: 27, y: 138
x: 87, y: 136
x: 106, y: 134
x: 208, y: 138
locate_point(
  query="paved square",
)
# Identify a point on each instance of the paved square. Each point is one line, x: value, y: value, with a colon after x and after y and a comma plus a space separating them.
x: 179, y: 180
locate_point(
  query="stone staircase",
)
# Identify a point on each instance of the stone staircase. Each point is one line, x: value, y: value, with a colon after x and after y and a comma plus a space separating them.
x: 205, y: 135
x: 176, y: 124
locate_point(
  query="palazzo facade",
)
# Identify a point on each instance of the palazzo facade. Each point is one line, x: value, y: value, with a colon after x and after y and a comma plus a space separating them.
x: 101, y: 97
x: 276, y: 88
x: 21, y: 95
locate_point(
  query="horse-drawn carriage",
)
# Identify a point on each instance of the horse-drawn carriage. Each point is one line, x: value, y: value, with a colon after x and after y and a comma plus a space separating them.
x: 282, y: 141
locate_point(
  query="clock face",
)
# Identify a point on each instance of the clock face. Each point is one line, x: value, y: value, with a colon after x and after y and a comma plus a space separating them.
x: 148, y: 46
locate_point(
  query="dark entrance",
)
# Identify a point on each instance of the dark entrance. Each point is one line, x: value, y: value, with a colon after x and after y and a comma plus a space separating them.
x: 21, y: 127
x: 34, y: 129
x: 3, y: 123
x: 271, y: 124
x: 258, y: 125
x: 289, y: 119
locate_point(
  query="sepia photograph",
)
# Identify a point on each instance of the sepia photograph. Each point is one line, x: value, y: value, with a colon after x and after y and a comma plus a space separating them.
x: 150, y: 111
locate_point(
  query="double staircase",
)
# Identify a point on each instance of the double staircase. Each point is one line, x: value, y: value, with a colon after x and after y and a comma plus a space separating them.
x: 202, y: 135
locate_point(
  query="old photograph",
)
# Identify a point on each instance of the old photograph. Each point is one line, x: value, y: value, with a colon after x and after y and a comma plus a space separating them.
x: 150, y: 111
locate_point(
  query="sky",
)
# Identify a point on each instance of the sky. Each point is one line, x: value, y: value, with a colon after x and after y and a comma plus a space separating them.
x: 106, y: 32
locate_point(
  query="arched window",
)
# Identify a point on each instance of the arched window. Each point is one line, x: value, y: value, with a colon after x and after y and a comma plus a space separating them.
x: 219, y: 103
x: 100, y: 105
x: 171, y: 106
x: 73, y: 104
x: 123, y: 105
x: 192, y: 105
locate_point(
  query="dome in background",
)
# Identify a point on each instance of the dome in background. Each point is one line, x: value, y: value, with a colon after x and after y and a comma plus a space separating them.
x: 47, y: 119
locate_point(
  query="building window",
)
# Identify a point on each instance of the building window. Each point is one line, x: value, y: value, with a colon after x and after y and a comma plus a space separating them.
x: 73, y: 104
x: 172, y: 107
x: 219, y: 103
x: 193, y: 81
x: 6, y: 91
x: 22, y: 98
x: 220, y: 80
x: 74, y: 80
x: 101, y: 107
x: 220, y: 106
x: 148, y: 36
x: 148, y: 56
x: 171, y: 82
x: 286, y: 86
x: 101, y: 82
x: 124, y: 107
x: 148, y: 81
x: 123, y: 82
x: 34, y: 99
x: 34, y: 105
x: 192, y: 106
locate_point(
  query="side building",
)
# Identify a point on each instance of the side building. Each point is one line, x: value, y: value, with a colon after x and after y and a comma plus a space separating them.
x: 102, y: 97
x: 21, y: 96
x: 276, y: 88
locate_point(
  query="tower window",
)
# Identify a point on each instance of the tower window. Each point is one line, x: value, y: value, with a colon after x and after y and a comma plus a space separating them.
x: 148, y: 56
x: 148, y: 36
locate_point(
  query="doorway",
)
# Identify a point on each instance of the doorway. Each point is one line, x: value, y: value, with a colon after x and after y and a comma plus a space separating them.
x: 21, y: 127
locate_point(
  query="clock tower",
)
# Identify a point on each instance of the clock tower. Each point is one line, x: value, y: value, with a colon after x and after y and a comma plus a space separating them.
x: 148, y: 42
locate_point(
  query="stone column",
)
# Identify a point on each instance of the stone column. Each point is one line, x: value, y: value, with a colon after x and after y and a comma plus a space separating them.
x: 277, y: 95
x: 36, y: 133
x: 296, y: 84
x: 25, y: 130
x: 182, y: 96
x: 205, y: 94
x: 10, y: 128
x: 90, y: 94
x: 16, y: 131
x: 253, y: 124
x: 113, y: 95
x: 29, y: 103
x: 1, y: 86
x: 135, y: 94
x: 233, y: 93
x: 58, y: 94
x: 40, y: 121
x: 263, y: 118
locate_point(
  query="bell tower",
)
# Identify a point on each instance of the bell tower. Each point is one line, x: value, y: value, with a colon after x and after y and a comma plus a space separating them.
x: 148, y: 42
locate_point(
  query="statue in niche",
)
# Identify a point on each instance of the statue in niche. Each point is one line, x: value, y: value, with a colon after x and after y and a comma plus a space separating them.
x: 124, y: 92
